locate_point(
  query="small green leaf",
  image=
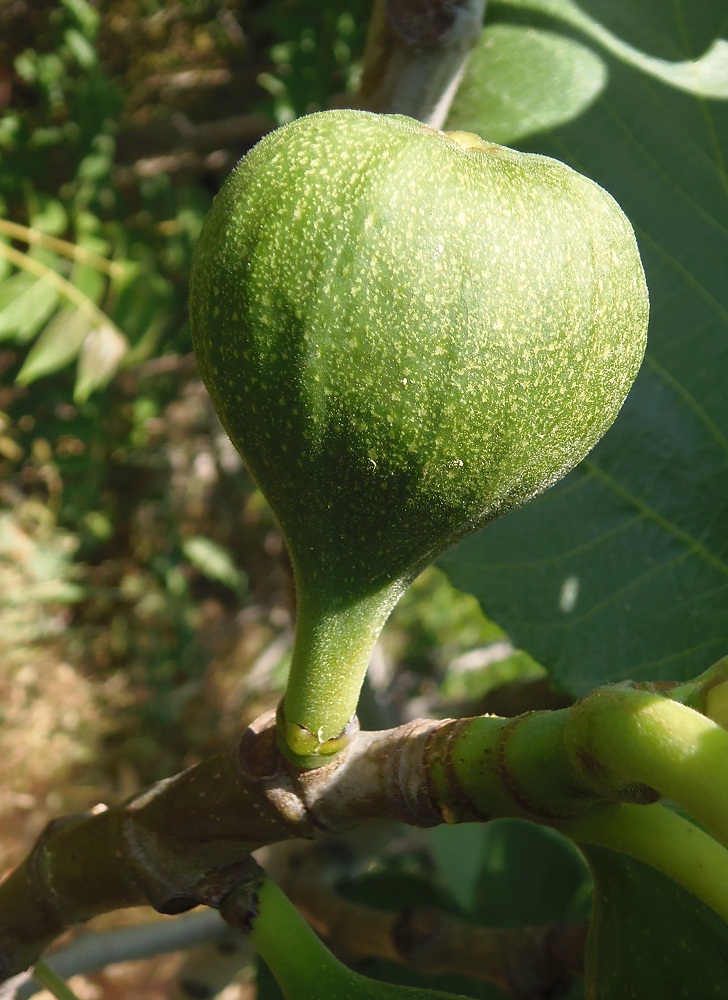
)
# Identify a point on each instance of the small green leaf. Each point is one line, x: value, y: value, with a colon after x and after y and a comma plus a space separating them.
x: 25, y: 305
x: 89, y: 280
x: 48, y: 215
x: 82, y: 49
x: 26, y: 66
x: 650, y: 939
x: 58, y: 344
x: 86, y: 16
x: 13, y: 287
x: 101, y: 354
x: 10, y: 130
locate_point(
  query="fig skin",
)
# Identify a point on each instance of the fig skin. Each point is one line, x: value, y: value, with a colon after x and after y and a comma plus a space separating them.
x: 406, y: 333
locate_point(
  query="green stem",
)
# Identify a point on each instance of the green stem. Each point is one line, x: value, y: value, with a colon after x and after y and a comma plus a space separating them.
x: 700, y: 692
x: 298, y: 959
x: 47, y: 978
x: 304, y: 967
x: 616, y: 737
x: 333, y: 646
x: 662, y: 839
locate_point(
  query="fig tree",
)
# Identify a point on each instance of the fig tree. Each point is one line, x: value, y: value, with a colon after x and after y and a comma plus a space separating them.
x: 406, y: 333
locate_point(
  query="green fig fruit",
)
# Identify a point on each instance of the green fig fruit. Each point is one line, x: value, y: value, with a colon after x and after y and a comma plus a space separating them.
x: 406, y: 333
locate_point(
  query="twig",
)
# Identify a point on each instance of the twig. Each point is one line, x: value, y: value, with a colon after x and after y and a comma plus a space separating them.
x: 93, y: 951
x: 178, y: 133
x: 415, y: 56
x: 80, y: 254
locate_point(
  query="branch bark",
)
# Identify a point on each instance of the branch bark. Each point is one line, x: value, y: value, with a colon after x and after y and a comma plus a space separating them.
x: 415, y: 56
x: 187, y: 840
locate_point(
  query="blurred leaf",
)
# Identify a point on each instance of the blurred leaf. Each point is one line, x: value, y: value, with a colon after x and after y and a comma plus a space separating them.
x: 58, y: 344
x: 266, y: 988
x: 82, y: 49
x: 14, y: 287
x: 459, y: 852
x: 26, y: 66
x: 36, y: 569
x: 6, y: 268
x: 26, y: 303
x: 622, y: 570
x: 88, y: 280
x: 312, y: 51
x: 101, y: 354
x: 47, y: 215
x: 85, y: 14
x: 39, y: 562
x: 527, y: 874
x: 144, y: 299
x: 214, y: 562
x: 500, y: 101
x: 650, y: 939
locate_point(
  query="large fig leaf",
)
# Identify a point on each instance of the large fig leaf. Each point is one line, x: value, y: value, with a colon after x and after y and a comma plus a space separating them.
x: 622, y: 569
x: 650, y: 939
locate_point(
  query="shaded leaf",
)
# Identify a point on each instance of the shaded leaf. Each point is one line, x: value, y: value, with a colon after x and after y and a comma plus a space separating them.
x: 622, y: 570
x: 528, y: 875
x: 87, y: 17
x: 500, y: 101
x: 650, y: 939
x: 266, y: 988
x: 137, y: 309
x: 459, y: 853
x: 393, y: 885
